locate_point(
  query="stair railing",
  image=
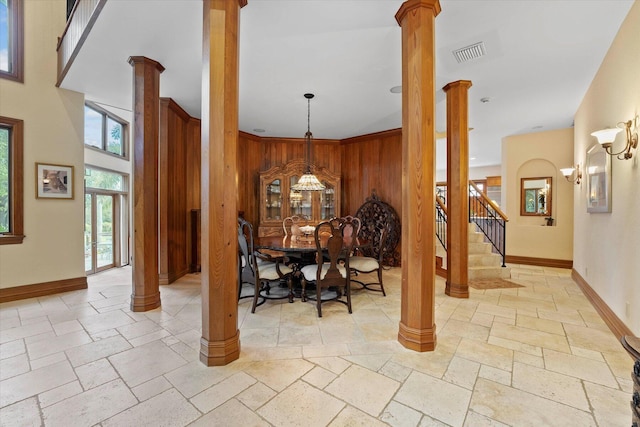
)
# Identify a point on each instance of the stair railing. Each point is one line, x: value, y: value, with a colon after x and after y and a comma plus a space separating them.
x: 441, y: 221
x: 489, y: 219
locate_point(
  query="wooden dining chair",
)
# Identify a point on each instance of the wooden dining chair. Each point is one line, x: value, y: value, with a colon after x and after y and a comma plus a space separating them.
x: 291, y: 225
x: 364, y: 260
x: 259, y: 269
x: 334, y: 239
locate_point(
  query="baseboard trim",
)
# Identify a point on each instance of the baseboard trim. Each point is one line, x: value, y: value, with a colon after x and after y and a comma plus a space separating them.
x: 42, y: 289
x: 543, y: 262
x: 440, y: 271
x: 617, y: 326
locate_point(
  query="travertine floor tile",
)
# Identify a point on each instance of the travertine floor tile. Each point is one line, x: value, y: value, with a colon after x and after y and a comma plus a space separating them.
x: 169, y: 408
x: 140, y: 364
x: 34, y: 382
x: 518, y: 408
x: 579, y: 367
x: 231, y: 414
x: 436, y: 398
x: 551, y: 385
x: 90, y: 407
x: 502, y: 359
x: 610, y: 406
x: 353, y: 417
x: 23, y: 414
x: 364, y: 389
x: 398, y: 415
x: 301, y: 405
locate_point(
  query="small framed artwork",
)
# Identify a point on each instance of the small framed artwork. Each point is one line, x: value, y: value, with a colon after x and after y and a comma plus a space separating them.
x: 54, y: 181
x: 598, y: 169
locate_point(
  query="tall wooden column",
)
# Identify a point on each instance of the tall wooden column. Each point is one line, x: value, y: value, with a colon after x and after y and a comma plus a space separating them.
x: 220, y: 342
x: 146, y: 111
x: 457, y: 189
x: 417, y: 319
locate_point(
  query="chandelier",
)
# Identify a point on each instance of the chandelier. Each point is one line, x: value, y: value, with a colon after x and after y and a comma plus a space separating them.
x: 308, y: 181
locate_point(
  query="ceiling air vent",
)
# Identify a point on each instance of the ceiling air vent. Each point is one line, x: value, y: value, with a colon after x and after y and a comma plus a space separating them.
x: 470, y: 52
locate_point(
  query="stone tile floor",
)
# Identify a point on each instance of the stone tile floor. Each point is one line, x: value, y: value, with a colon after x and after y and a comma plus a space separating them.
x: 533, y: 356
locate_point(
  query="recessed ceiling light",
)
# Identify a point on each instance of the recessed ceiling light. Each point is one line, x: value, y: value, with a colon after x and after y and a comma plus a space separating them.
x: 485, y: 100
x: 259, y: 130
x: 396, y: 89
x: 472, y: 158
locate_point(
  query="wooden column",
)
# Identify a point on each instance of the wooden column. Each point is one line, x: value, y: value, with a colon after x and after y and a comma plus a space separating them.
x: 220, y: 342
x: 146, y: 111
x: 417, y: 319
x: 457, y: 189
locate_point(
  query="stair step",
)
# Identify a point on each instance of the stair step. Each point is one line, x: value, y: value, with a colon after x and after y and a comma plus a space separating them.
x: 489, y: 273
x: 479, y: 248
x: 475, y: 237
x: 485, y: 260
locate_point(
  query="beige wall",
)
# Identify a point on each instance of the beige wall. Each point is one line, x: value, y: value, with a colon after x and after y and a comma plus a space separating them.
x: 538, y: 154
x: 607, y: 245
x: 53, y: 133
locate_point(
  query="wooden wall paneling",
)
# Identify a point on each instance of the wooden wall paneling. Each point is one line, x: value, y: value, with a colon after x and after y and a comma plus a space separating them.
x: 173, y: 240
x: 192, y: 191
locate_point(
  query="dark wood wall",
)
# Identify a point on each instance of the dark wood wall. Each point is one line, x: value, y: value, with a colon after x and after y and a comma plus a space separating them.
x: 372, y: 162
x: 257, y: 154
x: 364, y: 163
x: 179, y: 187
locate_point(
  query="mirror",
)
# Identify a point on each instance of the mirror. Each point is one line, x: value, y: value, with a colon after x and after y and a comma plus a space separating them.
x: 535, y: 196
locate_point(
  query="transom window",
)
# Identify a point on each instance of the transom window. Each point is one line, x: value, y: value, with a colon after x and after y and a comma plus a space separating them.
x: 104, y: 180
x: 11, y: 185
x: 104, y: 131
x: 11, y: 40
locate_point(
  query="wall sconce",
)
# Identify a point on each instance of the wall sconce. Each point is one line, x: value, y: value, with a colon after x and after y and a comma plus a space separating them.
x: 607, y: 136
x: 569, y: 174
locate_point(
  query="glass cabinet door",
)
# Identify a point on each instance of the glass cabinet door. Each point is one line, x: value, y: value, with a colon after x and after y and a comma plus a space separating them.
x: 274, y: 200
x: 327, y: 202
x: 299, y: 201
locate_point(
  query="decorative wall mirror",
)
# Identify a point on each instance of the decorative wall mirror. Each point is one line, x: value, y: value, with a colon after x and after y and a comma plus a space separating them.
x: 535, y: 196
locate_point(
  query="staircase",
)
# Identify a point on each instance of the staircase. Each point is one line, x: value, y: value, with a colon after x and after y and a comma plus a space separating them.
x: 485, y: 237
x: 483, y: 263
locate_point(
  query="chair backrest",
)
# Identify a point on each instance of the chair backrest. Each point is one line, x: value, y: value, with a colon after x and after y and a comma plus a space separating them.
x: 247, y: 263
x: 291, y: 225
x: 335, y: 238
x: 353, y: 230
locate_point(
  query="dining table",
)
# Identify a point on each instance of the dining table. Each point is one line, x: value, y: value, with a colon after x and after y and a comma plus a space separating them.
x: 299, y: 250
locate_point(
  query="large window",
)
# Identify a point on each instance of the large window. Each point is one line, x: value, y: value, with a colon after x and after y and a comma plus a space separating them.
x: 11, y: 177
x: 104, y: 131
x: 11, y: 40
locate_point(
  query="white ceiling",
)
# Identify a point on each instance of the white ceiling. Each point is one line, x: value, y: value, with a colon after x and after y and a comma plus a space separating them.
x: 541, y: 57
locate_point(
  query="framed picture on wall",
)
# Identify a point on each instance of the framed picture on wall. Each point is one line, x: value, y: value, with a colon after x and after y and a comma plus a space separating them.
x: 54, y: 181
x: 598, y: 169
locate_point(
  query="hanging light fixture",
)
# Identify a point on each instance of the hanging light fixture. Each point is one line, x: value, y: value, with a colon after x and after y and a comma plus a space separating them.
x: 308, y: 181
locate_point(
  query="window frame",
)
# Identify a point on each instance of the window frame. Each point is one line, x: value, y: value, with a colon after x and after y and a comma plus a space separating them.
x: 125, y: 132
x: 15, y: 19
x: 16, y: 181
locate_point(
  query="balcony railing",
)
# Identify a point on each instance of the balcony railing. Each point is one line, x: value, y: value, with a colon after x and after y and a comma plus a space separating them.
x: 81, y: 20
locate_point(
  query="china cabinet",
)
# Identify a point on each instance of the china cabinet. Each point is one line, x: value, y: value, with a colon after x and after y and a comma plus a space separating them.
x: 278, y: 201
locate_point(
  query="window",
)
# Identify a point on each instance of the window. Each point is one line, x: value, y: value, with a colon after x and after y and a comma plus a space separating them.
x: 105, y: 180
x: 11, y: 40
x: 104, y: 131
x: 11, y: 185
